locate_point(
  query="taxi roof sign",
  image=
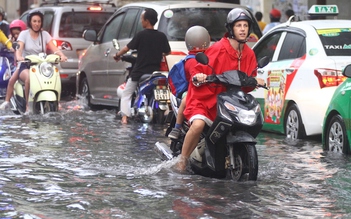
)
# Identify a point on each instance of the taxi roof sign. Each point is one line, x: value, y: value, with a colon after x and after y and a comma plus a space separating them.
x: 324, y: 10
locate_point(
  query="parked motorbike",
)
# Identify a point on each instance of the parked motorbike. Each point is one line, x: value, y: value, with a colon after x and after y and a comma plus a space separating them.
x: 45, y: 85
x: 7, y: 67
x: 227, y: 148
x: 151, y: 99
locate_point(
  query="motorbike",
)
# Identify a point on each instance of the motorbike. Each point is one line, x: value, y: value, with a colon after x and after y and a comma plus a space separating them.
x: 227, y: 148
x: 150, y: 101
x: 7, y: 68
x: 45, y: 85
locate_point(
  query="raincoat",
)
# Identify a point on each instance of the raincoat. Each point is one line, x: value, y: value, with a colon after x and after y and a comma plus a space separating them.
x: 222, y: 57
x: 4, y: 40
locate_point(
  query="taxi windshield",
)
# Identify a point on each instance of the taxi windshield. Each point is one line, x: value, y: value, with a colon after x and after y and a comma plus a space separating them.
x: 336, y: 42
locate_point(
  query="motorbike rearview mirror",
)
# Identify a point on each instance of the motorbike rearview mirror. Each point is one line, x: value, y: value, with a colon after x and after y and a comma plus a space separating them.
x: 115, y: 44
x: 263, y: 62
x: 15, y: 45
x: 202, y: 58
x: 347, y: 71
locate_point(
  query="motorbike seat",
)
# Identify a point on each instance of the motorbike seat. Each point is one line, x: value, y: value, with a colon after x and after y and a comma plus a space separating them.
x: 144, y: 78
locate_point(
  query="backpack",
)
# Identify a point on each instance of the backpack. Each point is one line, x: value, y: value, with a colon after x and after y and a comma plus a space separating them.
x: 176, y: 77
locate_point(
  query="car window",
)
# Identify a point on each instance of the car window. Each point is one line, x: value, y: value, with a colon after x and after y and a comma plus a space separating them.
x: 129, y: 22
x: 111, y: 29
x: 174, y: 23
x: 48, y: 19
x: 294, y: 46
x: 73, y: 24
x: 267, y: 46
x: 336, y: 42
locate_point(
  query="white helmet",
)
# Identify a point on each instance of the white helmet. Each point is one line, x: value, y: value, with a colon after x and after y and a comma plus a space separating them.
x: 197, y: 39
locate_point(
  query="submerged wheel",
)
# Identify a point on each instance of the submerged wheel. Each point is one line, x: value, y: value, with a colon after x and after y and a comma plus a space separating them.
x: 246, y: 162
x: 238, y: 170
x: 43, y: 107
x: 146, y: 114
x: 159, y: 116
x: 336, y: 137
x: 293, y: 123
x: 84, y: 91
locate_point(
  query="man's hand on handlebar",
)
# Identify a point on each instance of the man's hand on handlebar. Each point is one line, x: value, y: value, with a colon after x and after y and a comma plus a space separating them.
x: 199, y: 79
x: 116, y: 57
x: 260, y: 81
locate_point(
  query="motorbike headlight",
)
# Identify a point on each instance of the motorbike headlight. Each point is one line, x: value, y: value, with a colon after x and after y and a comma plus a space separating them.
x: 247, y: 117
x: 46, y: 69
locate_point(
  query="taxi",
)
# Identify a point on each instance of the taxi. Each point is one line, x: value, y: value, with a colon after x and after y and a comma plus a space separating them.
x: 336, y: 134
x: 306, y: 62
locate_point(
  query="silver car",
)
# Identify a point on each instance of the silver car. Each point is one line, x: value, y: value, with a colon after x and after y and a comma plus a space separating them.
x: 66, y: 21
x: 99, y: 74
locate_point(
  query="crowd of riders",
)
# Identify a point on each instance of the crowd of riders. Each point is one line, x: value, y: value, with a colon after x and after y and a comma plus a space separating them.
x: 230, y: 52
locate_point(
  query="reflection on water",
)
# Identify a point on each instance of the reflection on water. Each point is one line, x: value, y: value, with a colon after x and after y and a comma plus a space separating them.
x: 85, y: 164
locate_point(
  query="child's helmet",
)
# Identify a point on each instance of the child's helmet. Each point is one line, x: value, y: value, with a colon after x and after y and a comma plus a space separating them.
x: 18, y: 24
x: 197, y: 39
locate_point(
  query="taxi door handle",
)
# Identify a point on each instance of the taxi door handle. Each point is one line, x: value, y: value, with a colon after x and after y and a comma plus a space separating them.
x: 289, y: 70
x: 260, y: 71
x: 107, y: 52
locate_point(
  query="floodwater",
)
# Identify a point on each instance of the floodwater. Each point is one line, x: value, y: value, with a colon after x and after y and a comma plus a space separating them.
x: 80, y: 163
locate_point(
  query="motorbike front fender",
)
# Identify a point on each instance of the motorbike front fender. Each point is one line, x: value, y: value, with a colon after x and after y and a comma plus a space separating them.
x: 240, y: 137
x: 47, y: 95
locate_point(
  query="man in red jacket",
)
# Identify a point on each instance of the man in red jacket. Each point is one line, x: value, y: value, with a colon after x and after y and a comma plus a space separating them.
x: 230, y: 53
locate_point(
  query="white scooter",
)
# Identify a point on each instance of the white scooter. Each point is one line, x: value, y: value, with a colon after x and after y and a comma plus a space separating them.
x: 45, y: 85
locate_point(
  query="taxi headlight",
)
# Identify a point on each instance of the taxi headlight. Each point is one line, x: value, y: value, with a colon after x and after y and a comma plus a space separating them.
x: 46, y: 69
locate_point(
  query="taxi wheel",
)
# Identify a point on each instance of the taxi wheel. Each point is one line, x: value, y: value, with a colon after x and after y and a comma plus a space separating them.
x: 336, y: 138
x: 293, y: 123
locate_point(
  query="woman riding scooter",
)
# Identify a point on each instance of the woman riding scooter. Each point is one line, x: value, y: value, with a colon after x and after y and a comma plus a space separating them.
x: 33, y: 41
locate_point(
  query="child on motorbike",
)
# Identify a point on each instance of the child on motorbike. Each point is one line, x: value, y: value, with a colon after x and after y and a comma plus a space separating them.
x: 32, y: 41
x: 197, y: 39
x: 230, y: 53
x: 16, y: 27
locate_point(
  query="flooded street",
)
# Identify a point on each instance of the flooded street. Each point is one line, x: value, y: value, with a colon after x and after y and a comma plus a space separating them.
x: 85, y: 164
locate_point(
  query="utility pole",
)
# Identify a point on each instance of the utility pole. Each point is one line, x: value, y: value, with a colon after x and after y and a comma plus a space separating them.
x: 23, y: 6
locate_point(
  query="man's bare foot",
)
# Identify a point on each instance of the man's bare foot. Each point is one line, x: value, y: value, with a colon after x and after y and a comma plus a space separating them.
x: 124, y: 120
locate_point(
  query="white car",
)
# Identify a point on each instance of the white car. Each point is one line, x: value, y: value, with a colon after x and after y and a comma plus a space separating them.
x: 99, y: 74
x: 307, y: 58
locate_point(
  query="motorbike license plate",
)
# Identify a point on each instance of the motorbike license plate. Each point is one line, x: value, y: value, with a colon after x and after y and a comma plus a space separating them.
x: 161, y: 94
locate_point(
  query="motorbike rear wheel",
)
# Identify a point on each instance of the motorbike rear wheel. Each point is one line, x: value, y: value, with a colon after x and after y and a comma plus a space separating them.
x: 246, y: 162
x: 159, y: 116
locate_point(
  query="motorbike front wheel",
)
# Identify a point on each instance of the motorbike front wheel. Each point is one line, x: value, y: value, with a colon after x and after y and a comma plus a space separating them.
x: 43, y: 107
x: 246, y: 162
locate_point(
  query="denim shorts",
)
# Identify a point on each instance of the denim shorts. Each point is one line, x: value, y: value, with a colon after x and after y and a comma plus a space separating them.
x: 22, y: 67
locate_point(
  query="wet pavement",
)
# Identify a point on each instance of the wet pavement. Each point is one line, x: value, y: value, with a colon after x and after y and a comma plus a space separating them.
x: 80, y: 163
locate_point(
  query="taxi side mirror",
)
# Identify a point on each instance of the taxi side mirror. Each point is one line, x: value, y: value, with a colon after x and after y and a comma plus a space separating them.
x: 347, y: 71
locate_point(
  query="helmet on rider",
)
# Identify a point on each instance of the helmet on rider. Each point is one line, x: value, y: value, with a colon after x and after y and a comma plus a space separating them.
x: 238, y: 14
x: 197, y: 39
x: 19, y: 24
x: 31, y: 14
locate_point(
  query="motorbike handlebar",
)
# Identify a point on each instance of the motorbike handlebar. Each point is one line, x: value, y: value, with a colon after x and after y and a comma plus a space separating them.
x: 214, y: 79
